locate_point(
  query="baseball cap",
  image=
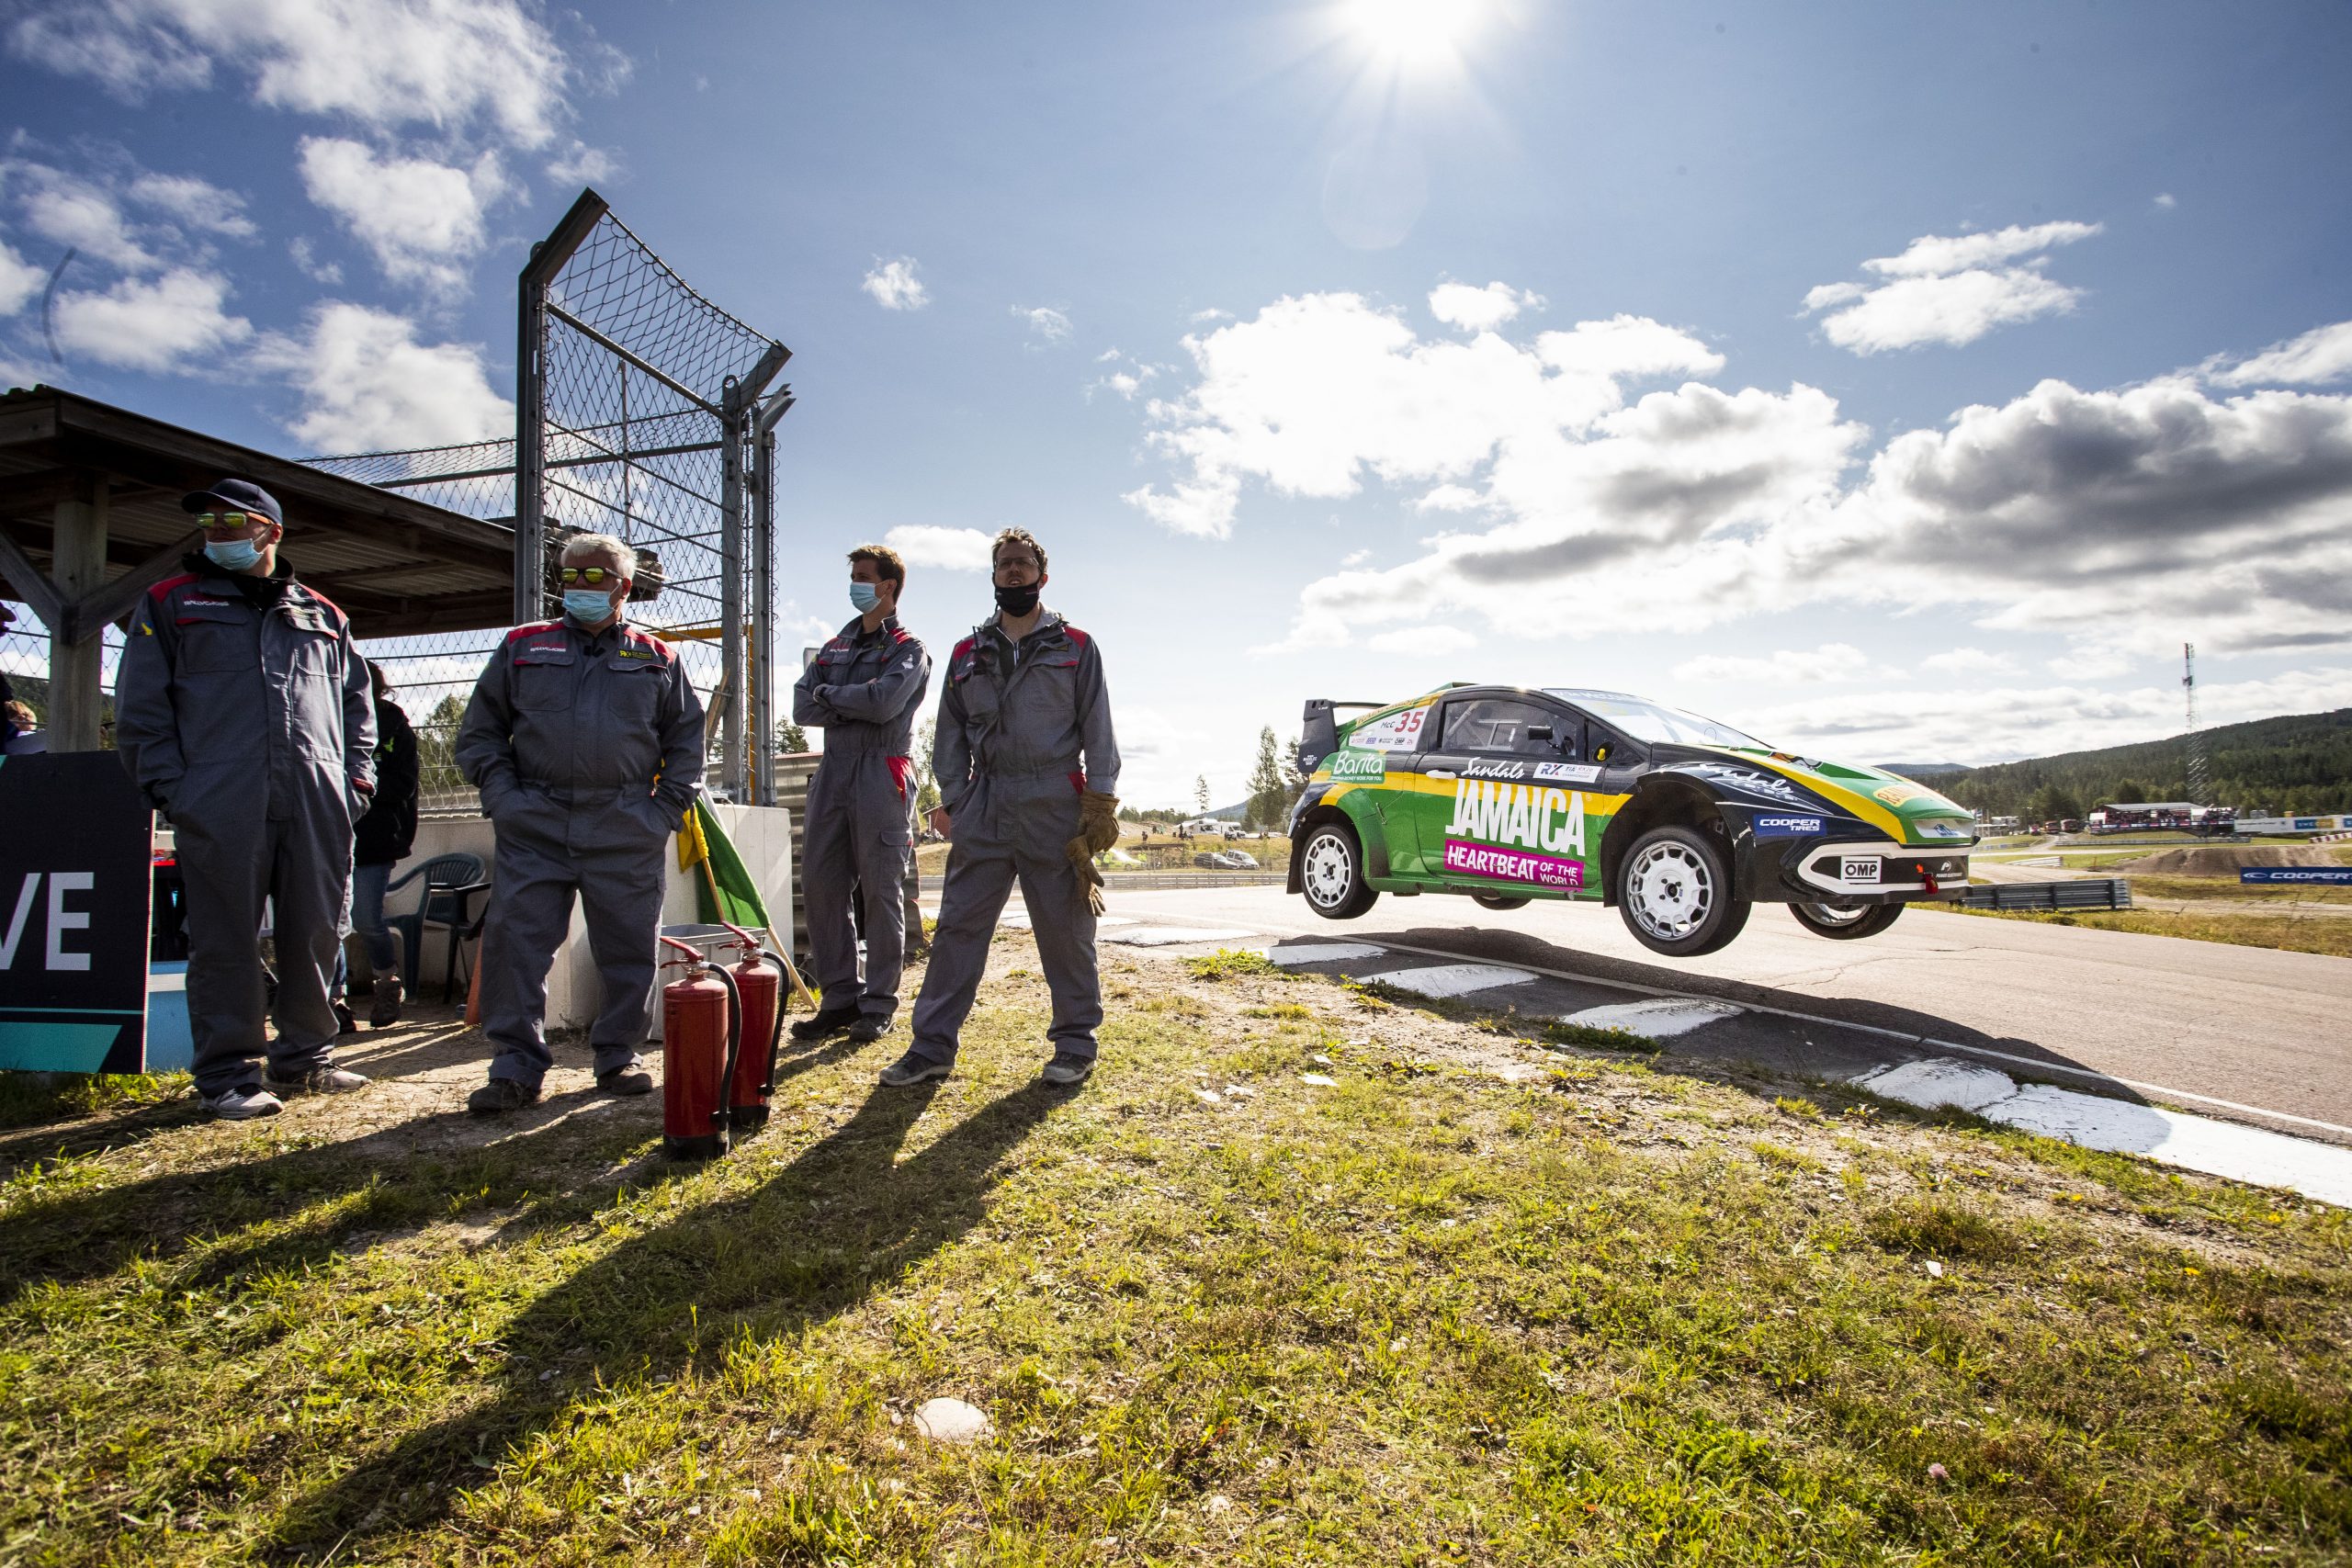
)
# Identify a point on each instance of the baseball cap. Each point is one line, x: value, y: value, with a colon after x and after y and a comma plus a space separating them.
x: 234, y: 495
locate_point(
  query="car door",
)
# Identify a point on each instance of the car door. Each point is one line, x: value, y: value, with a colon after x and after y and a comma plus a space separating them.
x: 1499, y: 799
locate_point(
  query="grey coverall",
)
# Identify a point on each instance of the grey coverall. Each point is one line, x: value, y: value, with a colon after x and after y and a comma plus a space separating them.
x: 864, y: 689
x: 1015, y: 722
x: 250, y: 722
x: 588, y: 751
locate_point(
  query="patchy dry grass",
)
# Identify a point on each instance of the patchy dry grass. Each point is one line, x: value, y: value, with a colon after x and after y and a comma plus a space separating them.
x: 1477, y: 1301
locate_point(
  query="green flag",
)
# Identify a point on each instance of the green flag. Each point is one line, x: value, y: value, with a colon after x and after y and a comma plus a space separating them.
x: 724, y: 891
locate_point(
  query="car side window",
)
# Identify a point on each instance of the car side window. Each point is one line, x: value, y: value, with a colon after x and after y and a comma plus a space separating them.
x: 1505, y: 725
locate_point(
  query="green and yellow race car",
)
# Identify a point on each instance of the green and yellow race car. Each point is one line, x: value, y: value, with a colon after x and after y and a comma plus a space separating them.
x: 1510, y: 795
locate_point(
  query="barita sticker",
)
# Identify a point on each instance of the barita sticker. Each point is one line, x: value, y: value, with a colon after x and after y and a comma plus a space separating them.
x: 1394, y: 732
x: 1569, y: 773
x: 1358, y: 767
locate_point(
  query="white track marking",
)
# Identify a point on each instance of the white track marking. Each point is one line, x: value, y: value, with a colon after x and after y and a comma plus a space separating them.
x: 1174, y: 936
x: 1324, y: 952
x: 1452, y: 979
x: 1660, y: 1019
x: 2098, y: 1121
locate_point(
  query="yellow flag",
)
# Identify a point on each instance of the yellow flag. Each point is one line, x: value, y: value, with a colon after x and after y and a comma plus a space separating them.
x: 693, y: 848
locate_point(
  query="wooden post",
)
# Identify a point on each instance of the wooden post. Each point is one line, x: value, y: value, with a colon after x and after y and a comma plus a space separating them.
x: 78, y: 568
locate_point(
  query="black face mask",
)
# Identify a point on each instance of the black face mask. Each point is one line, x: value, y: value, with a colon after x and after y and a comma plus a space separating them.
x: 1018, y: 601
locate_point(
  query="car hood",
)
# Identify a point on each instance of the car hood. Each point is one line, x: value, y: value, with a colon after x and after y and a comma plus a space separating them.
x: 1907, y: 812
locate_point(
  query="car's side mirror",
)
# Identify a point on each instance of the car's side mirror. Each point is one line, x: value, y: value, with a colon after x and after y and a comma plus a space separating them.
x: 1539, y: 732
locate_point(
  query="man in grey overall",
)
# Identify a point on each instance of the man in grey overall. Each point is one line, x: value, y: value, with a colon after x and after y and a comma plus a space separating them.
x: 244, y: 710
x: 863, y: 689
x: 585, y: 740
x: 1028, y: 773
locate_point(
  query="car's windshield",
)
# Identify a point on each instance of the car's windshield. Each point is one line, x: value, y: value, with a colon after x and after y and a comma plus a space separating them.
x: 1645, y: 720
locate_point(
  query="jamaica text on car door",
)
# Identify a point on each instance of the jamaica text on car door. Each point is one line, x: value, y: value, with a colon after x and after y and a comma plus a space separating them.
x: 1500, y: 802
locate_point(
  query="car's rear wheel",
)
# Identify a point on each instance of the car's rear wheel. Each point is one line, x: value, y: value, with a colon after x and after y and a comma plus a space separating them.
x: 1845, y: 922
x: 1330, y: 868
x: 1675, y: 894
x: 1499, y: 901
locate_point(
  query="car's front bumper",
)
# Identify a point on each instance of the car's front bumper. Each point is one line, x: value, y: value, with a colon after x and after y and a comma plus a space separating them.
x: 1855, y: 871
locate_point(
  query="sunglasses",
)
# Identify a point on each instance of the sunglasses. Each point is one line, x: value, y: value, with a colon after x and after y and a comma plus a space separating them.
x: 594, y: 576
x: 232, y: 519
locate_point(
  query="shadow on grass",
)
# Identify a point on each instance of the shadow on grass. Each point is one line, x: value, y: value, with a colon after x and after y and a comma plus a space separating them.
x: 406, y: 1179
x: 845, y: 1219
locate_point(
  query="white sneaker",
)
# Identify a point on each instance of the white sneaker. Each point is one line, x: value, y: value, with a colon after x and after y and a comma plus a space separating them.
x: 241, y: 1104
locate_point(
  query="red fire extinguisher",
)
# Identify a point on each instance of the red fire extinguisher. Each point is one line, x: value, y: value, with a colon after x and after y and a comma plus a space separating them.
x: 701, y: 1037
x: 759, y: 988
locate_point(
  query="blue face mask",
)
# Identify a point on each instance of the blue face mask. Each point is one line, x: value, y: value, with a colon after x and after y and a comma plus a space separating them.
x: 865, y: 595
x: 587, y: 606
x: 233, y: 555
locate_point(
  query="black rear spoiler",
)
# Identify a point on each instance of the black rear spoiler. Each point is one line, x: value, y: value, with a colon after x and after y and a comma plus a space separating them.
x: 1320, y: 730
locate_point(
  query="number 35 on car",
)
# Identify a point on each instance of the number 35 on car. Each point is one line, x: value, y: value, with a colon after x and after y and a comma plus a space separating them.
x: 1509, y: 795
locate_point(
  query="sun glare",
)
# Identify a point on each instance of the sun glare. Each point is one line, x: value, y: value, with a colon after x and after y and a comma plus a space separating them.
x: 1411, y: 32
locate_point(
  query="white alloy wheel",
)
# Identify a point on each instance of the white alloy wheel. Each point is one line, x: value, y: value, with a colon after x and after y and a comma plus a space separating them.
x: 1670, y: 890
x: 1328, y: 872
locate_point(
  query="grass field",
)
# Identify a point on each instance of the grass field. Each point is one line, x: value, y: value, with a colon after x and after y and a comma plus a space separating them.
x: 1476, y: 1302
x: 2320, y: 933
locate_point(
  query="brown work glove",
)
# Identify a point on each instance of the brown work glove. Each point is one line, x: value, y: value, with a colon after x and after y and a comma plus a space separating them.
x: 1088, y: 878
x: 1098, y: 817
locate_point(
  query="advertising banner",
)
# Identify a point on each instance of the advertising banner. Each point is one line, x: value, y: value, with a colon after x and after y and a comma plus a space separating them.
x: 76, y: 880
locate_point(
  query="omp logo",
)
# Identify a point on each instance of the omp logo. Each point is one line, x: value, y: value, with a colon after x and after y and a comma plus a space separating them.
x: 1857, y: 868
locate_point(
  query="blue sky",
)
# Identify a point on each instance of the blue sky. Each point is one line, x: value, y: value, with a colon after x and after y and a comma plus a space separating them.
x: 1338, y: 348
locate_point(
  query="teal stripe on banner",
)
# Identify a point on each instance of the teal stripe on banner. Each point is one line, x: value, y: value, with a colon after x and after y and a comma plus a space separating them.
x: 56, y: 1047
x: 61, y: 1012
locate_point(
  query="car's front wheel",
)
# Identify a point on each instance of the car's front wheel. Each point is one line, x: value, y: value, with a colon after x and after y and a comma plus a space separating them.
x: 1675, y: 894
x: 1845, y: 922
x: 1330, y: 867
x: 1498, y: 902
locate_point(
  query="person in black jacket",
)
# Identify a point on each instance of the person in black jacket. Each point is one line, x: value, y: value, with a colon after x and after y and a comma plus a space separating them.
x: 379, y: 841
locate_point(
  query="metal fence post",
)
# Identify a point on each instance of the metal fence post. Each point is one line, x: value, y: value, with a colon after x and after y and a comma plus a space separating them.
x: 764, y: 596
x: 547, y: 258
x: 730, y: 593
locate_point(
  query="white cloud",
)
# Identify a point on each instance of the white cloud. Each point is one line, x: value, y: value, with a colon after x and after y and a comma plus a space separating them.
x: 1435, y: 641
x: 1967, y: 661
x: 385, y: 64
x: 1202, y: 318
x: 2124, y: 521
x: 2165, y: 198
x: 20, y: 281
x: 422, y: 220
x: 1319, y: 391
x: 582, y: 164
x: 2321, y: 355
x: 1948, y: 289
x: 156, y: 326
x: 895, y: 286
x: 1045, y: 321
x: 1479, y: 309
x: 75, y: 212
x: 947, y: 549
x: 306, y: 261
x: 1355, y: 557
x: 1832, y: 662
x: 2004, y: 723
x: 195, y: 204
x: 369, y: 386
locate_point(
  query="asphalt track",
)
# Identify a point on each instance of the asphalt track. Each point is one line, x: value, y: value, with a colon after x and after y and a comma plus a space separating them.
x: 2242, y: 1034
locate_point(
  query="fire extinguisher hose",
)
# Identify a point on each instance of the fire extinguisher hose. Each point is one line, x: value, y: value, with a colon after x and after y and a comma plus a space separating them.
x: 734, y: 1048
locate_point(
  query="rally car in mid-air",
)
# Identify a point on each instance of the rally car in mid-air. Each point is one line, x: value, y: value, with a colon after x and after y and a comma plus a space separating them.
x: 1509, y: 795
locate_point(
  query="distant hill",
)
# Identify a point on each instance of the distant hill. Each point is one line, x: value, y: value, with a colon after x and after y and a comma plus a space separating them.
x: 1922, y: 770
x: 2299, y: 762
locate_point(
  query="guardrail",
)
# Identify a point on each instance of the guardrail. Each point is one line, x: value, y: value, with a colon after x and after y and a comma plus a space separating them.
x: 2082, y: 893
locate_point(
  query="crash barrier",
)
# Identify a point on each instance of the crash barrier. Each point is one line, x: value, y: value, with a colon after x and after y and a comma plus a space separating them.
x: 1160, y: 881
x: 2083, y: 893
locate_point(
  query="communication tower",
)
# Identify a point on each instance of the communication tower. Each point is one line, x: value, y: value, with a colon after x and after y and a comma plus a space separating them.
x: 2200, y: 785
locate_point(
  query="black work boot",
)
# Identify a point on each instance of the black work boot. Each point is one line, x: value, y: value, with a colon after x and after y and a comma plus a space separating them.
x: 830, y: 1021
x: 500, y: 1096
